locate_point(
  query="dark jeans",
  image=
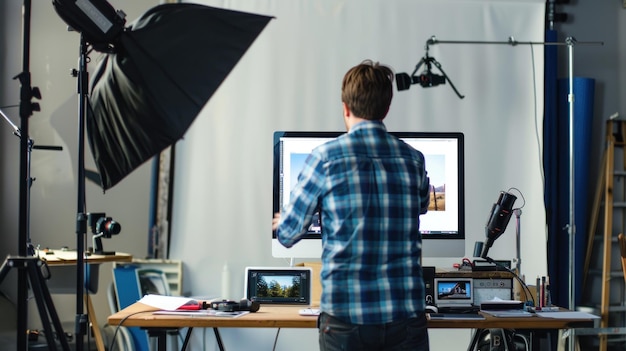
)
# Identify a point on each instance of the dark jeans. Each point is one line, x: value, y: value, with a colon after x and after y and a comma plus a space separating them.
x: 335, y: 335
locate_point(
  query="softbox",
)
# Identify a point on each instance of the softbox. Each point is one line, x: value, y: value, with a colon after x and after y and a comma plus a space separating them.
x: 165, y: 67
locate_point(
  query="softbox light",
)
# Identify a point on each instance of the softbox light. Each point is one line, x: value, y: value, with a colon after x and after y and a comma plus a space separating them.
x: 163, y: 69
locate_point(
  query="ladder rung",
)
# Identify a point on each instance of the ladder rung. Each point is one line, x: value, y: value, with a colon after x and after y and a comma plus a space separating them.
x: 601, y: 238
x: 596, y: 331
x: 612, y: 273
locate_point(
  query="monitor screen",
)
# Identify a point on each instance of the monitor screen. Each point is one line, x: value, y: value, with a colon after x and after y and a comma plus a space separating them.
x: 278, y: 285
x: 442, y: 227
x: 453, y: 292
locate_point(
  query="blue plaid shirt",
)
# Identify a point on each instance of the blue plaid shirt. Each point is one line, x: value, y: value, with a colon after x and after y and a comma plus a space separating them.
x: 371, y: 188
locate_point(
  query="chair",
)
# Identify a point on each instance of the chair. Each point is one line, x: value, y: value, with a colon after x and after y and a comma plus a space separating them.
x: 123, y: 338
x: 131, y: 283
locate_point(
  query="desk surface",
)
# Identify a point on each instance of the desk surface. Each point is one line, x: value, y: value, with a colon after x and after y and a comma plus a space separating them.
x: 141, y: 315
x: 67, y: 257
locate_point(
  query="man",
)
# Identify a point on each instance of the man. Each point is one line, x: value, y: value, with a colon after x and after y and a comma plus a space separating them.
x: 370, y: 188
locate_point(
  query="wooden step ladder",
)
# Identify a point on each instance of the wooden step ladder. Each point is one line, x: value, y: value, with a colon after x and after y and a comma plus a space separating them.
x: 604, y: 197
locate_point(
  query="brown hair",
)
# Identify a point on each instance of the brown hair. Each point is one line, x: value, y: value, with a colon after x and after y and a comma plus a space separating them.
x: 367, y: 90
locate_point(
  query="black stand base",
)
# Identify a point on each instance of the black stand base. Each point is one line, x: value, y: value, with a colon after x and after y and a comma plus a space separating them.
x: 47, y: 312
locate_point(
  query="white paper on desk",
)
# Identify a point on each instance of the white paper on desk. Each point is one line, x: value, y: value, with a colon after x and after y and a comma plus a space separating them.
x: 168, y: 303
x: 204, y: 313
x: 567, y: 315
x: 61, y: 255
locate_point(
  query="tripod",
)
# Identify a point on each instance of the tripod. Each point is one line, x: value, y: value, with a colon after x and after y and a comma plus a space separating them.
x: 31, y: 268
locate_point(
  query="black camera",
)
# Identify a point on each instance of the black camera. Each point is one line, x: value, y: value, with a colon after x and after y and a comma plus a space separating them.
x: 430, y: 80
x: 101, y: 224
x: 234, y: 306
x: 404, y: 81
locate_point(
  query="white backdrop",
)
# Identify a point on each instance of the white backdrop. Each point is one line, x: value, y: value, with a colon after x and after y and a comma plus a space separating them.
x: 290, y: 79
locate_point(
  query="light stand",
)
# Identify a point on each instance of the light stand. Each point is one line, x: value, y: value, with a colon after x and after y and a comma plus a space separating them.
x: 30, y: 250
x: 81, y: 215
x: 29, y: 268
x: 518, y: 240
x: 571, y: 227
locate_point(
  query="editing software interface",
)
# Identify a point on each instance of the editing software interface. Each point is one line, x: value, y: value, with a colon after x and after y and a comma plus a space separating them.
x: 279, y: 286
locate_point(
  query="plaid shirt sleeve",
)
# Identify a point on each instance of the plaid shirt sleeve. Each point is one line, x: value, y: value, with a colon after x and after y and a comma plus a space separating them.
x: 303, y: 202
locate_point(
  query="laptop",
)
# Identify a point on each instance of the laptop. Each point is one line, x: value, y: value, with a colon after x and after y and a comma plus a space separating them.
x: 454, y: 295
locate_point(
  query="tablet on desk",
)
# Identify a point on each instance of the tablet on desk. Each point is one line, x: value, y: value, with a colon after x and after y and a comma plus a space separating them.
x: 278, y: 285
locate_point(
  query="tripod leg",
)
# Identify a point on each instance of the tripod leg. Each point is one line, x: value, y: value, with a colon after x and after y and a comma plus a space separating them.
x: 4, y: 270
x: 46, y: 306
x: 22, y: 291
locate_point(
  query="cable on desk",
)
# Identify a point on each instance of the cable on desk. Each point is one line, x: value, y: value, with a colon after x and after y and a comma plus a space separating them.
x: 117, y: 328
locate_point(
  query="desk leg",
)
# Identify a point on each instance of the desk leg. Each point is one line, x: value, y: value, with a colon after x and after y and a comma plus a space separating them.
x: 161, y: 335
x: 219, y: 339
x: 474, y: 343
x: 220, y: 345
x: 94, y: 323
x: 187, y: 337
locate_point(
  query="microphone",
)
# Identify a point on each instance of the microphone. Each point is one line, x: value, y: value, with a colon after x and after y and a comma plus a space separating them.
x: 499, y: 217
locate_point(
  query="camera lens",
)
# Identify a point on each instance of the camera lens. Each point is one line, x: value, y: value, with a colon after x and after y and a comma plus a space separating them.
x: 108, y: 226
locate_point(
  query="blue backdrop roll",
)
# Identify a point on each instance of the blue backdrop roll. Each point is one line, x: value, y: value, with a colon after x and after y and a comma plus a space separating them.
x: 584, y: 89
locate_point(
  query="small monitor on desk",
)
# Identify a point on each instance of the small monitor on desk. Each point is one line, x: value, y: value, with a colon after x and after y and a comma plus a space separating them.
x: 278, y: 285
x: 454, y: 293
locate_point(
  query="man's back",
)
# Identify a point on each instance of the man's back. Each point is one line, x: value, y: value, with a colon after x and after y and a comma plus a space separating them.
x: 374, y: 190
x: 370, y: 189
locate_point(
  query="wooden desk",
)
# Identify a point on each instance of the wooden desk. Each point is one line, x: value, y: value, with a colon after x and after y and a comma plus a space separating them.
x: 70, y: 257
x: 61, y: 258
x: 141, y: 315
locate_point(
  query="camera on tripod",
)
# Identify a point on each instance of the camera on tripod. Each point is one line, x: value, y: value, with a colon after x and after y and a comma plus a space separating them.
x: 102, y: 226
x: 404, y: 81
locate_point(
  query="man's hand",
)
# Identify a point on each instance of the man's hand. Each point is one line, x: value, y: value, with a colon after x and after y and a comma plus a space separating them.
x: 275, y: 220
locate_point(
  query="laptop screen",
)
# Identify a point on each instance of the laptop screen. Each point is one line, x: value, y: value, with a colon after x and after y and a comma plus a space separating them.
x: 454, y: 292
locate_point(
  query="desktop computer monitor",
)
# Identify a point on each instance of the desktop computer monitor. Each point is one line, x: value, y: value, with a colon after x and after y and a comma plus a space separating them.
x: 442, y: 227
